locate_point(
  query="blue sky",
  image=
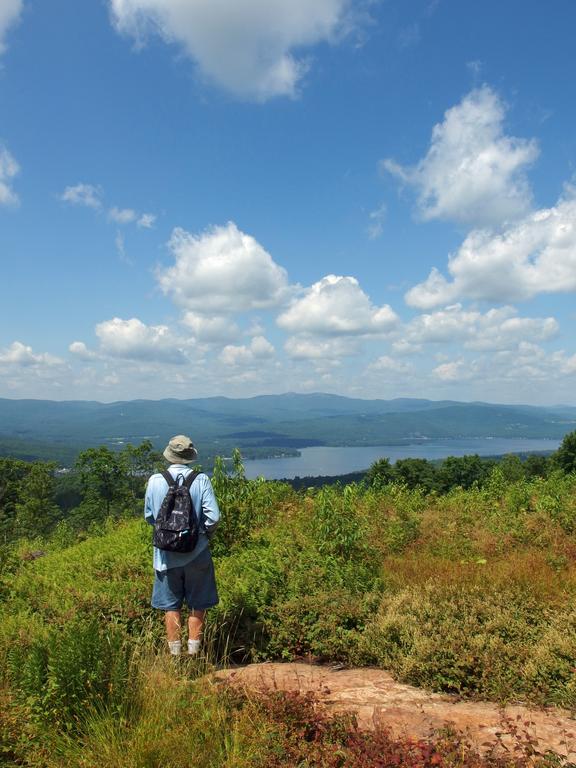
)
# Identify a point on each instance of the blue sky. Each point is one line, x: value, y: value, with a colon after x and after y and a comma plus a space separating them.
x: 368, y: 197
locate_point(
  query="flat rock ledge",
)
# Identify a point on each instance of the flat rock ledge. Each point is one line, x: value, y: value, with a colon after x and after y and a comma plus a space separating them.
x: 378, y: 701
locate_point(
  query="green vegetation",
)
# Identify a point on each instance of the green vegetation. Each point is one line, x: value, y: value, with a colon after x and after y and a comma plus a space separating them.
x: 462, y: 471
x: 459, y: 578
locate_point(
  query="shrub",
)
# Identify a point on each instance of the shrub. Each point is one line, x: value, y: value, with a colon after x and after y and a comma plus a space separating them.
x: 550, y: 670
x: 393, y: 517
x: 77, y: 668
x: 335, y: 524
x: 108, y: 575
x: 473, y: 639
x: 325, y: 626
x: 245, y: 505
x: 565, y: 456
x: 248, y: 580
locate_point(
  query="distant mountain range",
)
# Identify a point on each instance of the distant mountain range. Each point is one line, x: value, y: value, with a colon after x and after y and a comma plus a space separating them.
x: 263, y: 426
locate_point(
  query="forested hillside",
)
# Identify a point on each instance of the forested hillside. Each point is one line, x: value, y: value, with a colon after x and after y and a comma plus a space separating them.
x: 260, y: 426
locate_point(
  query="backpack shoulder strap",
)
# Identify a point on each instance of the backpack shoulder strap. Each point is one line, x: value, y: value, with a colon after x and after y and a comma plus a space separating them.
x: 168, y: 477
x: 191, y: 477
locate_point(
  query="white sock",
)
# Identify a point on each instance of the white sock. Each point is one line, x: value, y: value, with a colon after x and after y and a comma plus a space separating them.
x: 193, y: 647
x: 175, y: 647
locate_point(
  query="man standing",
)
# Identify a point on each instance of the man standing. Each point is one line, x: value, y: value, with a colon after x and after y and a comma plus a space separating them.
x: 184, y: 576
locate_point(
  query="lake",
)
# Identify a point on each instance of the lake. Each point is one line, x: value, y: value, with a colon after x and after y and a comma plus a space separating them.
x: 340, y: 461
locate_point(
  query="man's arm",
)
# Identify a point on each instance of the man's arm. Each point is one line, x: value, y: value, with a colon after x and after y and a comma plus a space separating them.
x: 148, y: 504
x: 210, y: 509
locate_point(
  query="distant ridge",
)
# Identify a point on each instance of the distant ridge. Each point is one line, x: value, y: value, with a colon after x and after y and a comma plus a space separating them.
x: 266, y: 424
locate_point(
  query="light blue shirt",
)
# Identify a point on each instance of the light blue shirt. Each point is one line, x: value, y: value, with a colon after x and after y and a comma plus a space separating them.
x: 205, y: 506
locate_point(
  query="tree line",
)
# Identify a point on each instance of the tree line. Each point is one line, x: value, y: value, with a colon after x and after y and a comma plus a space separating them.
x: 36, y: 499
x: 472, y: 470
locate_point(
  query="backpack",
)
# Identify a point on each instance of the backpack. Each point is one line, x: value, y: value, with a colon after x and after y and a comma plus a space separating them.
x: 176, y: 526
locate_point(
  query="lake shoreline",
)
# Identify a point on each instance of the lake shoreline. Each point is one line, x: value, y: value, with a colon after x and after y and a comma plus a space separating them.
x: 336, y: 461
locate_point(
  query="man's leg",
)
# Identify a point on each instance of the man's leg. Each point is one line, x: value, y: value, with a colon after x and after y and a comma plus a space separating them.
x: 173, y: 627
x: 195, y: 624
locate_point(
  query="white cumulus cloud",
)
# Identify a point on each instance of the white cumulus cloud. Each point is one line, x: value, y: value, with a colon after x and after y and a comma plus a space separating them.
x: 259, y: 349
x: 211, y: 330
x: 496, y: 331
x: 472, y: 173
x: 499, y: 328
x: 392, y: 366
x: 456, y: 370
x: 332, y: 350
x: 568, y: 365
x: 134, y: 340
x: 222, y: 271
x: 535, y: 255
x: 513, y: 370
x: 23, y: 356
x: 10, y: 11
x: 245, y: 46
x: 8, y: 170
x: 26, y: 373
x: 337, y: 306
x: 80, y: 350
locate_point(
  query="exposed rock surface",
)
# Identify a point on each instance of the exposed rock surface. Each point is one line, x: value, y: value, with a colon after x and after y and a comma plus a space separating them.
x: 378, y: 700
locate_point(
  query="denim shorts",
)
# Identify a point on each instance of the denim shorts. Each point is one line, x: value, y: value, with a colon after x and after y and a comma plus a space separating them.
x: 193, y: 583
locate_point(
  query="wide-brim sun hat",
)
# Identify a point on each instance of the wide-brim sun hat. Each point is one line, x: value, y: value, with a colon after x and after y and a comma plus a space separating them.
x: 180, y: 450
